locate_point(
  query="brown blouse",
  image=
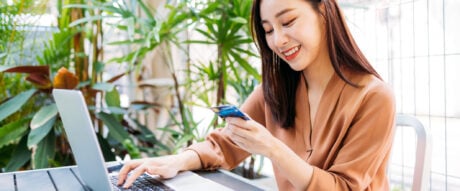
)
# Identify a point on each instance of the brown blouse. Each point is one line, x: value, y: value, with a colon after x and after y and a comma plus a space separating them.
x: 351, y: 136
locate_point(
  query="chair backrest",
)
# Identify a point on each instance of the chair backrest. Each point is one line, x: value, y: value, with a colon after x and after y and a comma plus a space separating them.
x: 423, y: 150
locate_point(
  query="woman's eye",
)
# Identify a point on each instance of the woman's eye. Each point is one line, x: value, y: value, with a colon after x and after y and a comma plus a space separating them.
x: 289, y: 22
x: 268, y: 31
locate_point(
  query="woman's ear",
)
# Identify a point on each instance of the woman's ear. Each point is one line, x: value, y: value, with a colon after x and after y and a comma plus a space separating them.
x: 322, y: 11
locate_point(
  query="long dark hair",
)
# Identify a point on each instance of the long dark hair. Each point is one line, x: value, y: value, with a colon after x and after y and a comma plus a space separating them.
x: 280, y: 81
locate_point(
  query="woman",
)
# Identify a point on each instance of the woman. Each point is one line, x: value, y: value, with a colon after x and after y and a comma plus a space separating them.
x: 322, y: 115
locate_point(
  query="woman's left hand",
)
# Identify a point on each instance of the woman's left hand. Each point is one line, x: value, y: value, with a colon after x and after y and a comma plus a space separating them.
x: 250, y: 136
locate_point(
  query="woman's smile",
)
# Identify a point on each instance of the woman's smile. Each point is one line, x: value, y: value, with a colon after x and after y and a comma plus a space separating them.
x: 290, y: 54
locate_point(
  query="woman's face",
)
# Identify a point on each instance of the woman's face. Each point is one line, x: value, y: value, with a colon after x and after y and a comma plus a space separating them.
x: 294, y: 31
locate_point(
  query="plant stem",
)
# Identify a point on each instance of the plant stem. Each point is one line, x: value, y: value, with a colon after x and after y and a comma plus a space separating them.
x: 167, y: 55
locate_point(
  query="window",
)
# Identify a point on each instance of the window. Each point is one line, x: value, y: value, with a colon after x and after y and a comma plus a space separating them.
x: 414, y: 45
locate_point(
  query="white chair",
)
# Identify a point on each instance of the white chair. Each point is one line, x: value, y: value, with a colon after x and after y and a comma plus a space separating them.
x: 422, y: 166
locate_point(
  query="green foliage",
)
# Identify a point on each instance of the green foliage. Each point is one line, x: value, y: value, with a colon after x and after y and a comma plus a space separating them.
x: 225, y: 25
x: 116, y: 130
x: 28, y: 117
x: 41, y: 124
x: 9, y: 107
x: 57, y: 52
x: 7, y: 25
x: 45, y: 151
x: 14, y: 27
x: 13, y: 131
x: 20, y: 156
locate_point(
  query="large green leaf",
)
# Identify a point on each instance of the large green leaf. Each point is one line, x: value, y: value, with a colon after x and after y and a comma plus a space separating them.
x: 42, y: 123
x: 112, y: 98
x: 13, y: 131
x: 43, y: 116
x: 45, y: 151
x: 6, y: 152
x: 37, y: 135
x: 15, y: 103
x: 20, y: 156
x: 116, y: 130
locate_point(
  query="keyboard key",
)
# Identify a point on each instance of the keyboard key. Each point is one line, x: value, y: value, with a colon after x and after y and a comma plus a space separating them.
x: 142, y: 183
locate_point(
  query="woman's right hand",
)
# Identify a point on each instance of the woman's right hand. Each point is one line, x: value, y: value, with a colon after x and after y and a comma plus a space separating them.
x: 164, y: 166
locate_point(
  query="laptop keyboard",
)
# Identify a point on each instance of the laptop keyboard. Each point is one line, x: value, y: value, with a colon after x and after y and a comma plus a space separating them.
x: 142, y: 183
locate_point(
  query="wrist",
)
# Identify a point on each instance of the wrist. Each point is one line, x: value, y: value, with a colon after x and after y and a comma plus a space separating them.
x: 189, y: 160
x: 275, y: 150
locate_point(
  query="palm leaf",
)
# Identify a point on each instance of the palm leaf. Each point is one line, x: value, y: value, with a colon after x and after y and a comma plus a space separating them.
x: 14, y: 104
x: 19, y: 157
x: 13, y: 131
x: 45, y: 151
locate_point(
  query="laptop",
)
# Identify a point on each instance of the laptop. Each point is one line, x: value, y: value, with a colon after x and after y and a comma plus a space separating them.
x: 90, y: 161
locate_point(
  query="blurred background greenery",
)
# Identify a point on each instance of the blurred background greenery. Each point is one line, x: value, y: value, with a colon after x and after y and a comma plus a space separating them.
x: 78, y: 51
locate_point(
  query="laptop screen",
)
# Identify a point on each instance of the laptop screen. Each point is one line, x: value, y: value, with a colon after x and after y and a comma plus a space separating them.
x: 82, y: 138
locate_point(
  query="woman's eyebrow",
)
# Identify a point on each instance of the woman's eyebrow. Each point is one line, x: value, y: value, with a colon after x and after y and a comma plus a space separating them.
x: 280, y: 13
x: 283, y: 12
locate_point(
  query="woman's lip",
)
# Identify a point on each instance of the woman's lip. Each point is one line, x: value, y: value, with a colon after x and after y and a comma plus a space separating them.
x: 292, y: 55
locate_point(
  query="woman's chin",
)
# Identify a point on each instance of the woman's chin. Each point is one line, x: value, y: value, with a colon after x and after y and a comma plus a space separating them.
x: 296, y: 67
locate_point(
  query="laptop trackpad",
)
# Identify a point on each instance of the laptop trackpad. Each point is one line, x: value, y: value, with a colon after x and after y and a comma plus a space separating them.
x: 191, y: 181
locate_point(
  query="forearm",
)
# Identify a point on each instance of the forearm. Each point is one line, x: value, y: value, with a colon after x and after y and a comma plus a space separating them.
x: 189, y: 160
x: 290, y: 164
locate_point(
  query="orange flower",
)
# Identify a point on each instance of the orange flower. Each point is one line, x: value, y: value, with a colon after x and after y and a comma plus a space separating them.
x: 65, y: 79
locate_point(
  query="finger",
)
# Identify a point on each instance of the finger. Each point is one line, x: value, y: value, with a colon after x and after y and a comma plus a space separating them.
x: 237, y: 122
x: 152, y: 170
x: 227, y: 131
x: 241, y: 144
x: 239, y: 139
x: 123, y: 173
x: 237, y: 131
x: 136, y: 173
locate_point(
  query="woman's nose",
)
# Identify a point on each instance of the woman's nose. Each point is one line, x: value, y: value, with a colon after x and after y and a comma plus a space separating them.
x: 281, y: 38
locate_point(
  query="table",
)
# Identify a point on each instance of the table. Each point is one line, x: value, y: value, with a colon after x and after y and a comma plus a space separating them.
x: 65, y: 178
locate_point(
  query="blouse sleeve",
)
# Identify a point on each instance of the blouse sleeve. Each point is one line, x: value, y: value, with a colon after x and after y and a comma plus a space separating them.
x: 365, y: 149
x: 218, y: 151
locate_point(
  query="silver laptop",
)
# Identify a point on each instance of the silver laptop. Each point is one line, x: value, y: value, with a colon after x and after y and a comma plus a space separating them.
x: 87, y: 153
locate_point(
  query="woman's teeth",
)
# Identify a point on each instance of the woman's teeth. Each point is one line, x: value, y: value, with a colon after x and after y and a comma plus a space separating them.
x: 292, y: 51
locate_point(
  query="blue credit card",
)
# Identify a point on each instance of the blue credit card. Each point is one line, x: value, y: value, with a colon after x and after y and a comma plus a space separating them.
x: 224, y: 111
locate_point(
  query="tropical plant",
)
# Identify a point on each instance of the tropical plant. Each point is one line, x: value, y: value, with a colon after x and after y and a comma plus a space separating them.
x: 30, y: 128
x: 224, y: 27
x: 14, y: 50
x: 31, y: 134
